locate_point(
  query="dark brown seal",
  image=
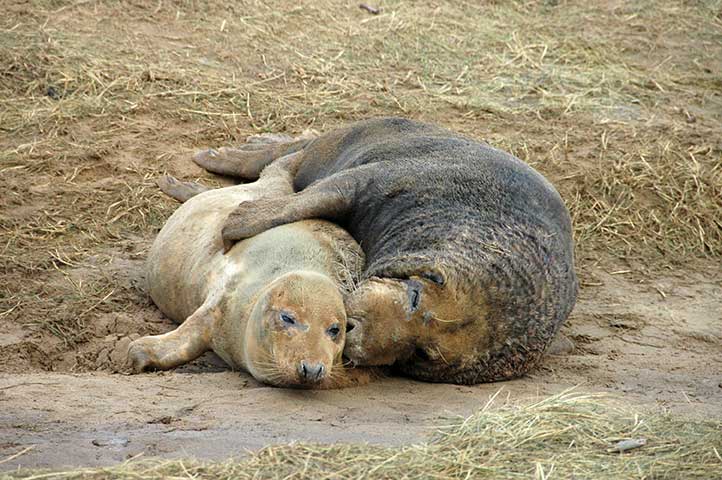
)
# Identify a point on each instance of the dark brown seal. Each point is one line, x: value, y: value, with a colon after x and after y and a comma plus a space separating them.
x: 469, y: 251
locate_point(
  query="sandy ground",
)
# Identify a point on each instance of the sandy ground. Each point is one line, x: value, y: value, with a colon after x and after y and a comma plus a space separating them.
x: 617, y: 103
x: 654, y: 343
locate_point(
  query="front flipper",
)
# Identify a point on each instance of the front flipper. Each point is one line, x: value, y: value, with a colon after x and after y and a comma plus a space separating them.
x: 172, y: 349
x: 325, y: 199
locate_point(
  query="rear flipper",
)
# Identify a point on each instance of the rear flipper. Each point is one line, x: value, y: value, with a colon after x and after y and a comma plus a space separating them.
x: 247, y: 161
x: 181, y: 191
x: 172, y: 349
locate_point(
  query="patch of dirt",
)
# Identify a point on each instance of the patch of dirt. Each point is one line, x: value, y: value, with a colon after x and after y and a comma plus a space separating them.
x: 617, y: 103
x: 123, y: 313
x: 653, y: 343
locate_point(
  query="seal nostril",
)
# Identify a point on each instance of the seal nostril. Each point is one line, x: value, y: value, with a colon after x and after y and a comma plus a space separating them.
x: 350, y: 324
x: 311, y: 372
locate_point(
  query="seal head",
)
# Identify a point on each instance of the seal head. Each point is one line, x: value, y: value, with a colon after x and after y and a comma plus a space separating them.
x: 296, y: 331
x: 392, y: 321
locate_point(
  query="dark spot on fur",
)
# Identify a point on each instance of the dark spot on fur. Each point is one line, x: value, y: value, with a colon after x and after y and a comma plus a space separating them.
x: 421, y: 354
x: 435, y: 277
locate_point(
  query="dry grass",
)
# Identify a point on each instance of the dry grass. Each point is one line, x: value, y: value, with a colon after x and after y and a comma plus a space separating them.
x: 619, y: 105
x: 569, y: 435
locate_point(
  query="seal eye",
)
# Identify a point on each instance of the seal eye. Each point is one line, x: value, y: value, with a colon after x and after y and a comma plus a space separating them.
x: 414, y: 294
x: 287, y: 318
x: 414, y: 297
x: 333, y: 331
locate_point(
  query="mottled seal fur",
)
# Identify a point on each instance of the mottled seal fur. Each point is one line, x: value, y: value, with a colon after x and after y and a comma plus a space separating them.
x: 469, y: 251
x: 272, y: 305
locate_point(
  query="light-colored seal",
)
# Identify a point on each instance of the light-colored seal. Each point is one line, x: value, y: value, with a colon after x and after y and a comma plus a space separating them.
x: 272, y: 305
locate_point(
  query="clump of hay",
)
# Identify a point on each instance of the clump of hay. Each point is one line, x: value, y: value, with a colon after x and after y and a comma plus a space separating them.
x: 570, y: 435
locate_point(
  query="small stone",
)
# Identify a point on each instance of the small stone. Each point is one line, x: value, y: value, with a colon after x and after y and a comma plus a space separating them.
x: 111, y: 442
x: 561, y: 345
x: 630, y: 444
x: 53, y: 93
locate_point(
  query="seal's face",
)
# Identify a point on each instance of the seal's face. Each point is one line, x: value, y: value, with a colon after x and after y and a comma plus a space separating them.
x: 423, y: 318
x: 298, y: 329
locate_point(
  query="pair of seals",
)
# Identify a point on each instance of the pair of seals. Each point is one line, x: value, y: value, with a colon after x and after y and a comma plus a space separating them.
x: 469, y: 251
x: 272, y: 305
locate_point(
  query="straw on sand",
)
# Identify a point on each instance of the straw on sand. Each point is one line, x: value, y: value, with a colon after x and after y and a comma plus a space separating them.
x: 569, y: 435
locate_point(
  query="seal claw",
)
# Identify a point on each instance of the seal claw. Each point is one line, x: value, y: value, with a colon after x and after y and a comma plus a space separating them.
x: 139, y: 359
